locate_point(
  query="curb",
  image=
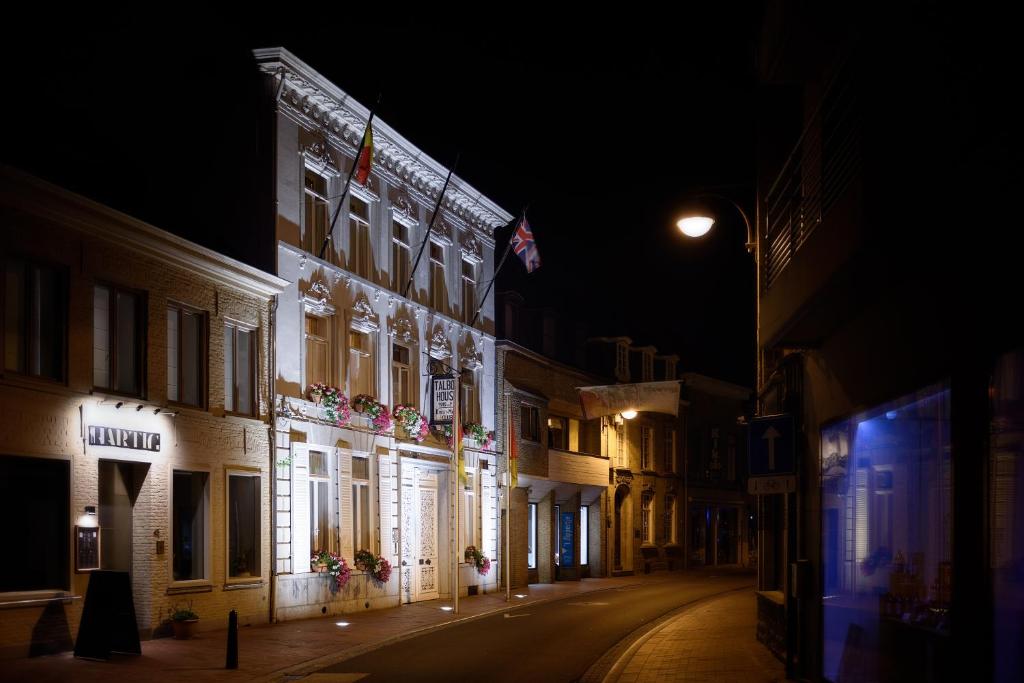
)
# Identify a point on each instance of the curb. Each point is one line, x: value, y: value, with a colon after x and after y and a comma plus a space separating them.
x: 623, y: 654
x: 299, y: 671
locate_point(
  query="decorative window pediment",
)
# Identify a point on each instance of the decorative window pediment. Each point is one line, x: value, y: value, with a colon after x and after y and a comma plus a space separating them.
x: 364, y: 318
x: 403, y: 330
x: 471, y: 357
x: 318, y: 154
x: 403, y: 210
x: 317, y: 298
x: 470, y: 248
x: 440, y: 348
x: 442, y: 232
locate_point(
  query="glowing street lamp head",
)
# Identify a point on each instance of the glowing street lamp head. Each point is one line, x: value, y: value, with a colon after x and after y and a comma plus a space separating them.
x: 695, y: 226
x: 628, y: 414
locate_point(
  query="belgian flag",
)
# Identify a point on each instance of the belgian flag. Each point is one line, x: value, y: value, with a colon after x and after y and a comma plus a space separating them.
x: 365, y: 157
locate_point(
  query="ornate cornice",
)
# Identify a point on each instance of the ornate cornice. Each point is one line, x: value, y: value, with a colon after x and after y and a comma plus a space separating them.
x: 315, y: 98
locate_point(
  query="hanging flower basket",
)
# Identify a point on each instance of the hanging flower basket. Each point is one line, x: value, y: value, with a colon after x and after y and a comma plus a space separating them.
x: 410, y: 422
x: 376, y: 566
x: 332, y: 401
x: 335, y: 565
x: 478, y: 560
x: 380, y: 417
x: 481, y: 437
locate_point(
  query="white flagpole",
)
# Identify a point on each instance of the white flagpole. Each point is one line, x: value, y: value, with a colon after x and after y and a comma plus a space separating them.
x: 508, y: 502
x: 456, y: 437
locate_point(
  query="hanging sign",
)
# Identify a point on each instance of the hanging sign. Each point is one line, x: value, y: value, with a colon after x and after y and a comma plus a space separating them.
x: 442, y: 400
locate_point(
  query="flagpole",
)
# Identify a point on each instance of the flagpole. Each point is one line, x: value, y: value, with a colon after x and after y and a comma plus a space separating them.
x: 426, y: 238
x: 348, y: 181
x: 456, y: 442
x: 498, y: 269
x: 508, y: 498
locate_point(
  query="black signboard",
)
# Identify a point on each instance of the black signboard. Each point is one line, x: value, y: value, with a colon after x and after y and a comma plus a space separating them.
x: 124, y: 438
x: 442, y: 400
x: 108, y: 618
x: 87, y: 548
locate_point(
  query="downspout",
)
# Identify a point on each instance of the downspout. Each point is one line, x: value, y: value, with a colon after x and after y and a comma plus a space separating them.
x: 272, y: 384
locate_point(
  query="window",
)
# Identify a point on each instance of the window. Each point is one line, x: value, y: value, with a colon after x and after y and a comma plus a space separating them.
x: 243, y: 500
x: 670, y: 450
x: 622, y: 362
x: 670, y: 369
x: 315, y: 217
x: 323, y: 503
x: 648, y: 367
x: 584, y: 536
x: 36, y: 551
x: 190, y: 514
x: 886, y: 495
x: 437, y: 288
x: 529, y: 425
x: 468, y: 290
x: 470, y: 406
x: 469, y: 512
x: 186, y: 356
x: 400, y: 253
x: 670, y: 519
x: 318, y: 349
x: 401, y: 376
x: 361, y: 503
x: 239, y: 370
x: 646, y: 448
x: 360, y: 363
x: 35, y: 319
x: 118, y: 340
x: 558, y: 432
x: 531, y: 538
x: 647, y: 517
x: 359, y: 231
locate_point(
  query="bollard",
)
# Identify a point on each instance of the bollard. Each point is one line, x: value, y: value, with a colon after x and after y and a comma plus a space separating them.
x: 232, y: 662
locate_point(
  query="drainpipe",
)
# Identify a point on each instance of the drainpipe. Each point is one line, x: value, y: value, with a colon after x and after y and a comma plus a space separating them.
x: 272, y: 385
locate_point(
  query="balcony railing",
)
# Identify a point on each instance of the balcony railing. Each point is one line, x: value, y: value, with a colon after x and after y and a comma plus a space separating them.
x: 825, y: 159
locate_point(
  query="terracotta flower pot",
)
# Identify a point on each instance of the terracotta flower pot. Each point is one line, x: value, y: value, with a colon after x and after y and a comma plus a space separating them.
x: 185, y: 629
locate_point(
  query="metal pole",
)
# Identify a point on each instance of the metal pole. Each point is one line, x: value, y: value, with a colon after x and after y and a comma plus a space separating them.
x: 508, y: 500
x: 497, y: 270
x: 456, y: 442
x: 426, y: 238
x: 348, y: 181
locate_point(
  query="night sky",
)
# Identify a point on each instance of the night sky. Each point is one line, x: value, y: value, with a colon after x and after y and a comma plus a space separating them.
x: 601, y: 126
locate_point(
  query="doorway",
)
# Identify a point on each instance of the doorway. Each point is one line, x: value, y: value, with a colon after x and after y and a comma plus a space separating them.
x: 119, y: 487
x: 421, y: 573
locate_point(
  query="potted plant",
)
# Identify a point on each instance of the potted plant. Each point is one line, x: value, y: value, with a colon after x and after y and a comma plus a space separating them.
x: 376, y: 566
x: 184, y: 621
x: 377, y: 413
x: 478, y: 560
x: 336, y: 568
x: 409, y: 423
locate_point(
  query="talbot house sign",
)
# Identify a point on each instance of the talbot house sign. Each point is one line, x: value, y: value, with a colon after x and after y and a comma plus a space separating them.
x: 124, y: 438
x: 442, y: 404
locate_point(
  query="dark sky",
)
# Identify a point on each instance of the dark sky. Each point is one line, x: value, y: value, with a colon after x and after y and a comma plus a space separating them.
x: 601, y: 126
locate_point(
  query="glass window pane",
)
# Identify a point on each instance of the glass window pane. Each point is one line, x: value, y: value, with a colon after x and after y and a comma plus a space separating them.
x: 127, y: 344
x: 229, y: 368
x: 531, y: 539
x: 39, y: 489
x: 191, y: 358
x: 189, y: 519
x: 48, y: 324
x: 361, y: 516
x: 244, y: 526
x: 360, y: 468
x: 101, y: 337
x: 172, y: 354
x: 584, y: 540
x: 243, y: 370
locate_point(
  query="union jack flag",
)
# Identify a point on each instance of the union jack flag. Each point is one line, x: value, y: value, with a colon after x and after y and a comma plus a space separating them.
x: 525, y: 247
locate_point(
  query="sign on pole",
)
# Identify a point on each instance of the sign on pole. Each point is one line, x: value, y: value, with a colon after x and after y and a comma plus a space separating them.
x: 771, y: 452
x: 442, y: 400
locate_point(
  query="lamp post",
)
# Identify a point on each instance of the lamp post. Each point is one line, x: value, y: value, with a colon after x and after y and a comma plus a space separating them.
x: 697, y: 217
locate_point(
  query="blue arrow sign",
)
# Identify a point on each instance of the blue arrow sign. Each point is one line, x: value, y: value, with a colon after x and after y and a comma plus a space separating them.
x: 771, y: 446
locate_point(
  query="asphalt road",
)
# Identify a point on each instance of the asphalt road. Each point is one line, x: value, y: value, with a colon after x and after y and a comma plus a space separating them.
x: 554, y: 641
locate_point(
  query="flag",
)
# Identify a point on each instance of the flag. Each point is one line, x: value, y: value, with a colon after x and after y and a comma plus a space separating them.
x: 460, y: 460
x: 365, y: 156
x: 525, y: 247
x: 513, y: 456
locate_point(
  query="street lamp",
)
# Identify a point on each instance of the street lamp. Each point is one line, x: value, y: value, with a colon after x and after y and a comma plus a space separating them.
x: 696, y: 217
x: 628, y: 414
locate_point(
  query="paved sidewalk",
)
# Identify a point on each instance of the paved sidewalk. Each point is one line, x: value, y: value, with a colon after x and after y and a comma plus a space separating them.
x: 712, y: 641
x: 277, y: 652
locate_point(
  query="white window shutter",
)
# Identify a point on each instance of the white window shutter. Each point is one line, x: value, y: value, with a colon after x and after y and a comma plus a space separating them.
x: 385, y: 512
x: 301, y: 551
x: 347, y: 542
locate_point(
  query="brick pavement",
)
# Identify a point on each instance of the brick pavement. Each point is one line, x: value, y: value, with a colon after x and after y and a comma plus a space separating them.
x: 712, y: 641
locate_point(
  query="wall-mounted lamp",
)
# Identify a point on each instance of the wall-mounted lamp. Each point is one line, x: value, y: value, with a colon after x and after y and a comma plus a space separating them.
x: 138, y: 407
x: 156, y: 411
x: 90, y: 510
x: 119, y: 404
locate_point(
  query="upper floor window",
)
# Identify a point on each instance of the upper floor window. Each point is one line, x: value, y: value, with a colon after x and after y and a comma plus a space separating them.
x: 469, y: 277
x: 119, y: 340
x: 470, y: 397
x: 400, y: 256
x: 621, y: 361
x: 186, y: 356
x: 359, y: 234
x: 646, y: 448
x: 437, y: 288
x: 670, y: 450
x: 318, y: 349
x: 401, y: 376
x: 558, y: 432
x: 648, y: 367
x: 239, y: 369
x: 360, y: 363
x: 529, y: 425
x: 315, y: 214
x: 35, y: 319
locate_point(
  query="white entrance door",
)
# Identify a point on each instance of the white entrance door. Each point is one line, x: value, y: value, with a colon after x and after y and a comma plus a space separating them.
x: 419, y: 534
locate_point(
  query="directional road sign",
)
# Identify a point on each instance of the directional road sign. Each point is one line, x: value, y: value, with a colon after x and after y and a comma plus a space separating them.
x: 771, y: 447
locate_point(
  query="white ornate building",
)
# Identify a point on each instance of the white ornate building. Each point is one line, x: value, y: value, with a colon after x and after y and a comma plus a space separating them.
x: 345, y: 322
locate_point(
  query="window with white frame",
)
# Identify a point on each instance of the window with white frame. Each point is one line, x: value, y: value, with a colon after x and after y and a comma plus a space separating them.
x: 670, y: 519
x: 323, y: 501
x: 360, y: 363
x: 469, y: 511
x: 119, y: 340
x: 186, y: 356
x: 359, y: 236
x: 531, y: 538
x: 35, y: 303
x: 243, y: 515
x: 470, y: 405
x: 361, y: 520
x: 670, y: 450
x: 584, y: 534
x: 646, y: 448
x: 402, y: 390
x: 315, y: 213
x: 647, y: 517
x: 400, y: 255
x: 438, y: 291
x: 469, y: 279
x: 239, y: 369
x: 318, y: 349
x: 190, y: 525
